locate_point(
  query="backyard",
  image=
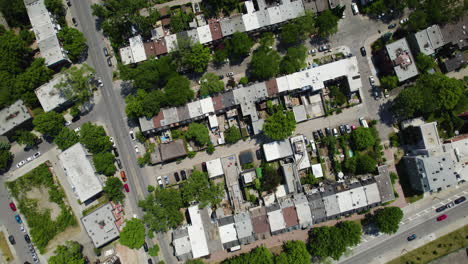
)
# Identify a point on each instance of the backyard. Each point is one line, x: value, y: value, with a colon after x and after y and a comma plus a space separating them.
x: 42, y: 201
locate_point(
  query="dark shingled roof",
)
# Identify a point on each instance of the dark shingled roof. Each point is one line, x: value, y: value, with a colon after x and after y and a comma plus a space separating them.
x: 173, y: 150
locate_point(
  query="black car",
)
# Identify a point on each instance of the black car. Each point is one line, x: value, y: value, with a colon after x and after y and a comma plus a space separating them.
x: 258, y: 153
x: 116, y: 153
x: 68, y: 2
x: 12, y: 239
x: 145, y: 247
x: 440, y: 209
x: 176, y: 176
x: 109, y: 62
x: 106, y: 52
x: 342, y: 130
x: 363, y: 51
x: 327, y: 131
x: 183, y: 175
x: 221, y: 76
x: 119, y: 163
x: 320, y: 132
x: 27, y: 238
x: 391, y: 26
x: 150, y: 261
x: 316, y: 135
x: 74, y: 22
x: 460, y: 200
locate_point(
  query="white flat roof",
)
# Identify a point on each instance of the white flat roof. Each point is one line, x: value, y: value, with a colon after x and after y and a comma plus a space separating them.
x: 49, y: 96
x: 317, y: 170
x: 194, y: 109
x: 196, y: 233
x: 277, y: 150
x: 276, y: 220
x: 207, y: 105
x: 372, y: 193
x: 227, y: 233
x: 281, y: 191
x: 303, y: 159
x: 171, y: 42
x: 138, y: 49
x: 80, y: 173
x: 358, y: 197
x: 269, y: 199
x: 303, y: 210
x: 126, y: 55
x: 204, y: 34
x: 214, y: 168
x: 213, y: 120
x: 344, y: 201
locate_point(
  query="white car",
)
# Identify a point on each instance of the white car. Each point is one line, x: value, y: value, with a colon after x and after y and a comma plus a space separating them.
x: 111, y: 139
x: 36, y: 155
x: 77, y: 129
x: 30, y: 158
x: 136, y: 149
x: 21, y: 163
x: 404, y: 20
x: 132, y: 135
x: 160, y: 182
x: 371, y: 79
x: 229, y: 74
x: 68, y: 123
x: 22, y: 229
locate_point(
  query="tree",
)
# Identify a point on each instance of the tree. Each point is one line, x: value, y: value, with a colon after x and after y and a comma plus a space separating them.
x: 425, y: 63
x: 210, y: 84
x: 104, y: 163
x: 113, y: 189
x: 133, y: 234
x: 25, y: 137
x: 198, y: 58
x: 362, y: 138
x: 265, y: 63
x: 94, y: 138
x: 267, y: 39
x: 327, y: 23
x: 260, y: 255
x: 144, y: 103
x: 279, y: 125
x: 417, y: 20
x: 294, y: 252
x: 338, y: 96
x: 239, y: 45
x: 389, y: 82
x: 294, y: 59
x: 177, y: 91
x: 407, y: 103
x: 271, y: 178
x: 153, y: 251
x: 161, y: 209
x: 388, y: 219
x: 66, y: 138
x: 198, y: 133
x: 75, y: 85
x: 210, y: 149
x: 73, y: 42
x: 34, y: 76
x: 352, y: 231
x: 365, y: 164
x: 57, y: 9
x: 49, y: 123
x: 5, y: 155
x: 220, y: 56
x: 70, y: 253
x: 291, y: 34
x: 232, y: 135
x: 211, y: 195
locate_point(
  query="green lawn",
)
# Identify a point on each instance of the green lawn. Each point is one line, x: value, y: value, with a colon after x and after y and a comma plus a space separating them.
x: 4, y: 248
x: 436, y: 249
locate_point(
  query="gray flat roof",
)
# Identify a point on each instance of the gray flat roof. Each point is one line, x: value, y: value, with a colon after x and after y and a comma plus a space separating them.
x: 80, y: 173
x: 243, y: 225
x: 13, y: 116
x: 300, y: 113
x: 100, y: 225
x: 384, y: 184
x: 231, y: 175
x: 402, y: 59
x: 51, y: 97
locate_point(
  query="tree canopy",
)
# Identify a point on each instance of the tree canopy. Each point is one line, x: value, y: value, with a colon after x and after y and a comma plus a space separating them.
x: 49, y: 123
x: 113, y: 189
x: 260, y: 255
x: 298, y: 29
x: 210, y: 84
x: 26, y: 138
x: 66, y: 138
x: 425, y: 63
x: 73, y: 42
x: 177, y: 91
x: 327, y: 23
x: 70, y: 253
x: 104, y: 163
x: 362, y: 138
x: 232, y: 135
x: 198, y: 58
x: 388, y: 219
x: 133, y: 234
x: 279, y: 125
x: 198, y: 133
x: 94, y: 138
x: 294, y: 252
x: 75, y: 85
x: 239, y: 45
x: 389, y: 82
x: 294, y: 59
x: 265, y: 63
x: 161, y: 209
x: 212, y: 193
x: 270, y: 179
x: 5, y: 155
x: 332, y: 241
x: 144, y: 103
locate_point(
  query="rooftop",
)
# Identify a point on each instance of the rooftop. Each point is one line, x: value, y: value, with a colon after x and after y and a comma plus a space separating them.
x: 384, y: 184
x: 173, y: 150
x: 231, y: 175
x: 277, y: 150
x: 330, y: 202
x: 51, y: 97
x: 100, y: 225
x: 317, y: 206
x: 304, y: 214
x: 80, y: 173
x: 260, y: 220
x: 13, y: 116
x: 196, y: 232
x: 430, y: 135
x: 300, y: 113
x: 317, y: 170
x: 372, y: 193
x: 429, y: 39
x: 244, y: 226
x: 290, y: 216
x: 402, y: 59
x: 214, y: 168
x: 456, y: 33
x: 275, y: 218
x: 181, y: 242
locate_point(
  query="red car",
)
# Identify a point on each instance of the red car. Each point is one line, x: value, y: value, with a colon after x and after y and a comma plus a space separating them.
x: 13, y: 206
x: 126, y: 188
x: 442, y: 217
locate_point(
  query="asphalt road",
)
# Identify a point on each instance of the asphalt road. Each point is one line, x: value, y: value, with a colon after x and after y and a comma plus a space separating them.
x: 112, y: 109
x: 427, y: 226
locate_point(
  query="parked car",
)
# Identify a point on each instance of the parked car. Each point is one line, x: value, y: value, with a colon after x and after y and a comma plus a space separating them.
x: 27, y: 238
x: 21, y: 163
x: 335, y: 132
x: 13, y: 206
x: 18, y: 219
x: 348, y: 129
x: 136, y: 149
x: 116, y: 153
x: 123, y: 176
x: 412, y: 237
x: 176, y: 176
x: 363, y: 51
x: 355, y: 8
x: 320, y: 132
x: 166, y: 180
x: 183, y: 175
x: 450, y: 205
x: 391, y: 26
x: 145, y: 246
x: 36, y: 155
x: 12, y: 239
x: 77, y: 129
x: 371, y: 80
x: 327, y: 131
x: 111, y: 139
x: 440, y: 209
x: 442, y: 217
x: 106, y: 52
x: 160, y: 183
x: 68, y: 2
x: 22, y: 229
x: 221, y: 76
x: 342, y: 130
x: 31, y: 248
x: 127, y: 189
x: 132, y: 135
x: 258, y: 154
x: 119, y: 163
x: 67, y: 123
x: 316, y: 135
x: 460, y: 200
x: 404, y: 20
x: 229, y: 74
x: 150, y: 261
x: 74, y: 22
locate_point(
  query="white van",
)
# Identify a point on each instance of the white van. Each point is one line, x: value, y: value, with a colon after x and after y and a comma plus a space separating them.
x: 363, y: 122
x: 355, y: 9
